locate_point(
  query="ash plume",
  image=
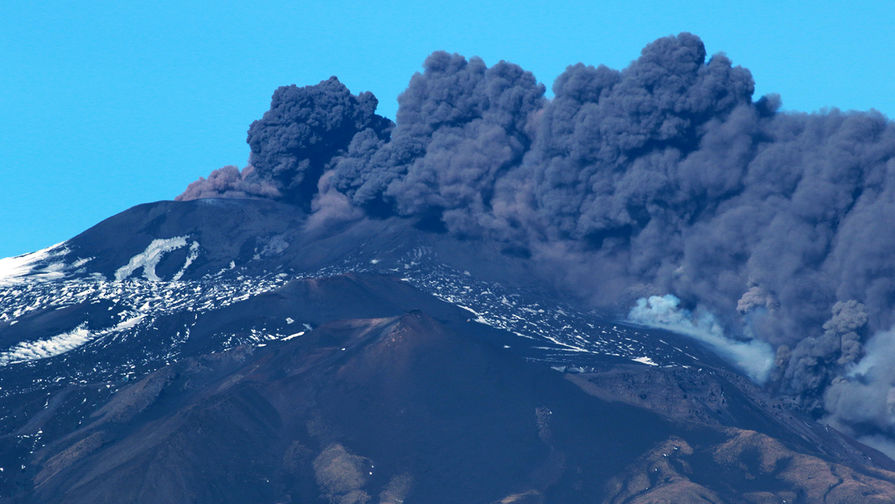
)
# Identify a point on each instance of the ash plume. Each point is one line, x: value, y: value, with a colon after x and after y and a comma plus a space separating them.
x: 293, y: 142
x: 461, y: 127
x: 664, y: 178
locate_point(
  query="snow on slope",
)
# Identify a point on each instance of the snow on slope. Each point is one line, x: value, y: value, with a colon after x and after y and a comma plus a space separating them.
x: 558, y: 334
x: 38, y: 265
x: 42, y: 349
x: 57, y: 345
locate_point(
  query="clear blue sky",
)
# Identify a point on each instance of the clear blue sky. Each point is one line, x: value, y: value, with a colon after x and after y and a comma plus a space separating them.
x: 104, y: 105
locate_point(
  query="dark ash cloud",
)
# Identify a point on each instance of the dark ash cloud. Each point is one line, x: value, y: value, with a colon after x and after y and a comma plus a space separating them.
x: 294, y: 141
x: 461, y: 127
x: 665, y: 177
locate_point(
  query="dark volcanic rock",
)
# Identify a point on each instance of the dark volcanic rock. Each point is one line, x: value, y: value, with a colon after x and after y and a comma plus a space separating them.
x: 362, y: 407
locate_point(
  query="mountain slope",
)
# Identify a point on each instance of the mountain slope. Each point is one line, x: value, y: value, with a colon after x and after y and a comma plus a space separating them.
x: 229, y: 351
x: 399, y: 407
x: 407, y: 400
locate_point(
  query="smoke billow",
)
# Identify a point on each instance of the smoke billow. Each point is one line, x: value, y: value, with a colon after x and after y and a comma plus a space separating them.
x: 293, y: 142
x: 461, y: 128
x: 229, y: 182
x: 862, y: 402
x: 665, y: 177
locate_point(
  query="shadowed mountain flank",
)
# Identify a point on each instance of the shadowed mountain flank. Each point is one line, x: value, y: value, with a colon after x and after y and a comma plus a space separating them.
x: 394, y: 408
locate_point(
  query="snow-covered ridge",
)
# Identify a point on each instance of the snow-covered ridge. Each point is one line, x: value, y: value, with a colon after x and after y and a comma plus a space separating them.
x: 57, y: 262
x: 135, y: 297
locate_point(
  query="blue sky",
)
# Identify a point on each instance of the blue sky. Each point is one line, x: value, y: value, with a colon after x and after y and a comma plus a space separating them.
x: 105, y: 105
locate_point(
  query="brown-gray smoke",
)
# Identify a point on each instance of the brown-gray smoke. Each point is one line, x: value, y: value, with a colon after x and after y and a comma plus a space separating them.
x: 666, y: 177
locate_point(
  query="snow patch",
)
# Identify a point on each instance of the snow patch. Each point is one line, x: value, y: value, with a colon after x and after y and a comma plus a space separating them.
x: 13, y: 270
x: 62, y: 343
x: 193, y: 255
x: 292, y: 336
x: 43, y: 349
x: 644, y: 360
x: 127, y: 324
x: 149, y: 258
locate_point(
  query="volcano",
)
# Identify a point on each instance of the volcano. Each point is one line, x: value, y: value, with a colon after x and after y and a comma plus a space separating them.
x: 226, y: 350
x: 646, y: 288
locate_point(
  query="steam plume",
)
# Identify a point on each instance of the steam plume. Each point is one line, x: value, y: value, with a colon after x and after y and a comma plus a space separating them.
x: 753, y: 357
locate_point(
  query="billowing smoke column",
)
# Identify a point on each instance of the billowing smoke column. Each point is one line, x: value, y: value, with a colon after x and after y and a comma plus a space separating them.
x: 662, y: 178
x: 462, y: 127
x: 292, y: 144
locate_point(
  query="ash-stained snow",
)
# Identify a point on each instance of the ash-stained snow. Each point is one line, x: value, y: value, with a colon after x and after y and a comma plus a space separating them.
x: 562, y: 335
x: 139, y: 303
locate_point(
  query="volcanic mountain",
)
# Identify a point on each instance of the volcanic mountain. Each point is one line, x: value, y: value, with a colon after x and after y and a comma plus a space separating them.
x: 645, y: 288
x: 228, y: 350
